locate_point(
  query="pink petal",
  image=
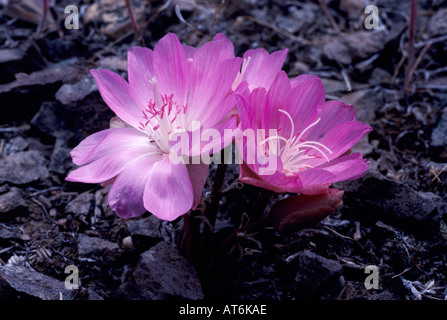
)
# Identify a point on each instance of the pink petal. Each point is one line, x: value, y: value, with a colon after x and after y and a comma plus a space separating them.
x: 127, y: 192
x: 140, y: 71
x: 117, y: 94
x: 198, y: 173
x: 170, y: 67
x: 107, y: 167
x: 210, y: 84
x: 108, y: 141
x: 169, y: 192
x: 117, y: 123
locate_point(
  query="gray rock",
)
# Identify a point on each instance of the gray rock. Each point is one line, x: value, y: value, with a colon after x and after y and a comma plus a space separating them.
x: 84, y: 110
x: 380, y: 198
x: 361, y: 44
x: 12, y: 203
x: 49, y: 119
x: 379, y: 76
x: 439, y: 134
x: 438, y: 23
x: 15, y: 145
x: 145, y: 232
x: 23, y: 97
x: 13, y: 234
x: 145, y: 227
x: 23, y: 167
x: 69, y: 94
x: 354, y: 8
x: 20, y: 282
x: 83, y: 204
x: 11, y: 55
x: 93, y: 246
x: 60, y: 161
x: 162, y: 272
x: 366, y: 103
x: 317, y: 274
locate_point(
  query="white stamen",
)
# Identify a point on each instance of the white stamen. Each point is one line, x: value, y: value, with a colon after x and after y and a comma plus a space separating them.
x: 308, y: 127
x: 292, y: 130
x: 292, y: 152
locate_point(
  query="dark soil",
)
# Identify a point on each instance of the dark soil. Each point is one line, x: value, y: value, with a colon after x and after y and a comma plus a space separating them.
x: 395, y: 217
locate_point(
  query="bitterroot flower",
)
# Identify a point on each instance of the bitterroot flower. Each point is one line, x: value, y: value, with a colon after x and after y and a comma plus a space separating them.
x: 169, y: 88
x: 312, y: 140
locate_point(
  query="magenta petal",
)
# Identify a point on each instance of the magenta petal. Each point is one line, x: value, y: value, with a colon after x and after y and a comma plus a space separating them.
x: 307, y: 97
x: 332, y: 114
x: 346, y: 167
x: 189, y: 51
x: 317, y: 180
x: 198, y: 173
x: 246, y: 175
x: 342, y: 138
x: 117, y: 94
x: 228, y: 44
x: 254, y: 111
x: 127, y: 191
x: 279, y: 97
x: 169, y: 192
x: 262, y: 67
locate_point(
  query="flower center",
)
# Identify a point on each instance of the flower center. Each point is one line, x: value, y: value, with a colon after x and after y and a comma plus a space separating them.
x: 162, y: 116
x: 295, y: 153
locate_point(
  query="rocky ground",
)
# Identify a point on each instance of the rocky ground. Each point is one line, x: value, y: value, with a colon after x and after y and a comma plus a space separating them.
x: 395, y: 217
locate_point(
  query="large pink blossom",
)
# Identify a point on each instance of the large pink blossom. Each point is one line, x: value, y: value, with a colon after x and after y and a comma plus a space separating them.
x: 313, y: 136
x: 168, y: 89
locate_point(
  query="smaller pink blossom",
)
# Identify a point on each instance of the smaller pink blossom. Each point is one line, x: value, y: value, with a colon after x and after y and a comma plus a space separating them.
x: 313, y: 136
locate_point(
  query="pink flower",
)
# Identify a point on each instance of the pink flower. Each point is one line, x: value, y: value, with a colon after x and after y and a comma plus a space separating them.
x: 313, y: 137
x: 169, y: 88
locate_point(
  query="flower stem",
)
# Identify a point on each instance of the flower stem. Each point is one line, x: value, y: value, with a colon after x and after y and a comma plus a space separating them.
x: 190, y: 240
x: 217, y: 261
x: 211, y: 215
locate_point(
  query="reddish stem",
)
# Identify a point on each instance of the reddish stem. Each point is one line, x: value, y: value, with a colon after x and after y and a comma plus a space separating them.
x: 132, y: 18
x: 410, y: 51
x: 44, y: 16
